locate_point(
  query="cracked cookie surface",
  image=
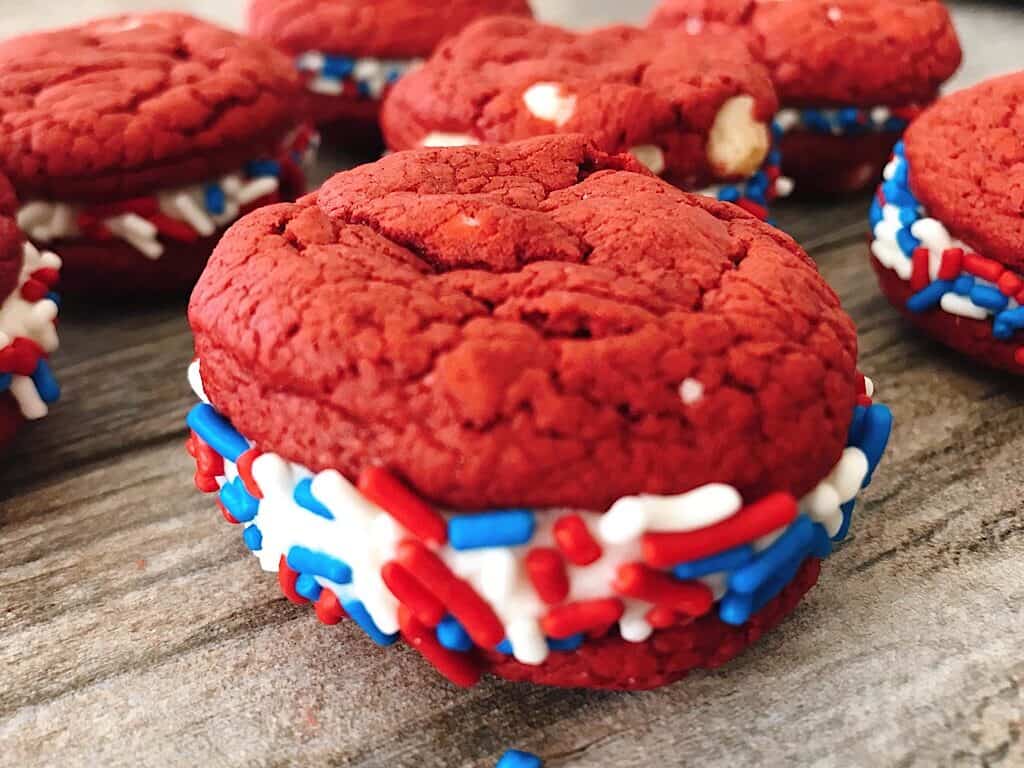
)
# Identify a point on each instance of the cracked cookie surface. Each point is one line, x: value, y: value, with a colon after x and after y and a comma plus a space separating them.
x: 119, y: 106
x: 513, y: 325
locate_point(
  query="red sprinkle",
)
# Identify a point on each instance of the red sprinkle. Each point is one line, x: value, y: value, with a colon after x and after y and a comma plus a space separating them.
x: 1010, y: 284
x: 575, y: 542
x: 224, y: 511
x: 21, y: 357
x: 639, y: 581
x: 34, y: 290
x: 662, y: 617
x: 753, y: 521
x: 244, y: 466
x: 864, y: 400
x: 478, y: 618
x: 408, y: 591
x: 546, y: 570
x: 584, y: 616
x: 286, y: 577
x: 461, y: 668
x: 209, y: 464
x: 47, y: 275
x: 919, y: 278
x: 983, y: 268
x: 328, y: 608
x: 751, y: 207
x: 1019, y: 356
x: 951, y: 264
x: 418, y: 517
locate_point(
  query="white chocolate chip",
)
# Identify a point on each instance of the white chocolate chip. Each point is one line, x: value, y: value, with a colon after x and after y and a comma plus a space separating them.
x: 441, y: 139
x: 651, y: 156
x: 550, y: 102
x: 737, y: 144
x: 691, y: 391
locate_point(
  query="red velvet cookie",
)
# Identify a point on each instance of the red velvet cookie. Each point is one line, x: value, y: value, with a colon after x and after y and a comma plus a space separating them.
x: 349, y: 52
x: 28, y: 333
x: 134, y: 141
x: 694, y: 110
x: 849, y: 73
x: 578, y: 427
x: 948, y: 223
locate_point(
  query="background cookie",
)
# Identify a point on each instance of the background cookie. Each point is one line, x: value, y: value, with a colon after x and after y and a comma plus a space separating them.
x: 350, y: 51
x: 28, y: 313
x: 948, y: 223
x: 695, y: 111
x: 849, y: 74
x: 133, y: 142
x: 519, y: 353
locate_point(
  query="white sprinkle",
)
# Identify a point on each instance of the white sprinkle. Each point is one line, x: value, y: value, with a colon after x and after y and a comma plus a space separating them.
x: 869, y: 387
x: 879, y: 115
x: 651, y: 156
x: 256, y: 189
x: 633, y: 626
x: 195, y: 380
x: 632, y: 515
x: 34, y: 215
x: 691, y: 391
x: 784, y: 186
x: 138, y: 233
x: 311, y: 61
x: 964, y: 307
x: 31, y: 404
x: 528, y: 643
x: 787, y: 119
x: 498, y: 575
x: 326, y: 86
x: 848, y: 475
x: 189, y: 210
x: 548, y: 101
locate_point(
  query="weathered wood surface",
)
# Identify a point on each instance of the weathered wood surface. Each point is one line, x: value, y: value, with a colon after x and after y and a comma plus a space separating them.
x: 136, y: 630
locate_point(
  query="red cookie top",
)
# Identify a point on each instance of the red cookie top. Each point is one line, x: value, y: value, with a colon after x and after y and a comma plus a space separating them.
x: 966, y: 156
x: 513, y: 325
x: 399, y: 29
x: 844, y: 52
x: 11, y: 239
x: 120, y: 106
x: 505, y: 79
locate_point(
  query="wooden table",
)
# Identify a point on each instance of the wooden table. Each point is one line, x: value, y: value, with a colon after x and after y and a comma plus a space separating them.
x: 136, y: 630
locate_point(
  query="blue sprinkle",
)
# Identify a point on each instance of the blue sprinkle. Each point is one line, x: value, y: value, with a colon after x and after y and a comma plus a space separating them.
x: 308, y: 561
x: 757, y: 183
x: 899, y: 195
x: 253, y: 538
x: 214, y: 199
x: 338, y: 67
x: 901, y: 174
x: 307, y: 586
x: 303, y: 495
x: 239, y: 502
x: 776, y: 585
x: 1012, y: 319
x: 876, y: 213
x: 735, y: 608
x: 908, y: 216
x: 895, y: 125
x: 452, y: 636
x: 877, y: 428
x: 963, y: 285
x: 504, y: 647
x: 217, y: 432
x: 54, y: 297
x: 900, y: 150
x: 821, y: 544
x: 5, y: 381
x: 363, y: 88
x: 500, y: 528
x: 46, y: 384
x: 777, y: 130
x: 856, y: 433
x: 729, y: 560
x: 930, y: 296
x: 844, y: 529
x: 394, y: 75
x: 793, y: 544
x: 988, y: 297
x: 775, y: 157
x: 259, y: 168
x: 850, y: 117
x: 358, y: 613
x: 516, y: 759
x: 816, y: 121
x: 730, y: 194
x: 570, y: 643
x: 907, y: 242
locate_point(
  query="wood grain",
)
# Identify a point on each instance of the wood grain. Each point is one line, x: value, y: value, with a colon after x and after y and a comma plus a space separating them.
x: 136, y: 630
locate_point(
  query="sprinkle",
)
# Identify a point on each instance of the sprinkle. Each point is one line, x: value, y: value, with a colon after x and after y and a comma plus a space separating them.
x: 415, y: 515
x: 986, y: 269
x: 877, y: 428
x: 215, y: 430
x: 919, y: 278
x: 358, y: 613
x: 214, y: 199
x: 254, y: 190
x: 793, y: 544
x: 253, y: 538
x: 989, y: 298
x: 516, y: 759
x: 307, y: 586
x: 501, y: 528
x: 191, y: 212
x: 729, y: 560
x: 575, y: 542
x: 308, y: 561
x: 566, y: 643
x: 303, y: 495
x: 408, y: 591
x: 584, y: 616
x: 46, y: 383
x: 259, y: 168
x: 751, y: 522
x: 244, y: 467
x: 930, y: 297
x: 458, y: 597
x: 227, y: 515
x: 459, y: 668
x: 952, y: 262
x: 452, y: 636
x: 528, y: 643
x: 643, y: 583
x: 1010, y: 284
x: 174, y: 229
x: 328, y: 608
x: 547, y: 573
x: 286, y: 578
x: 242, y: 506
